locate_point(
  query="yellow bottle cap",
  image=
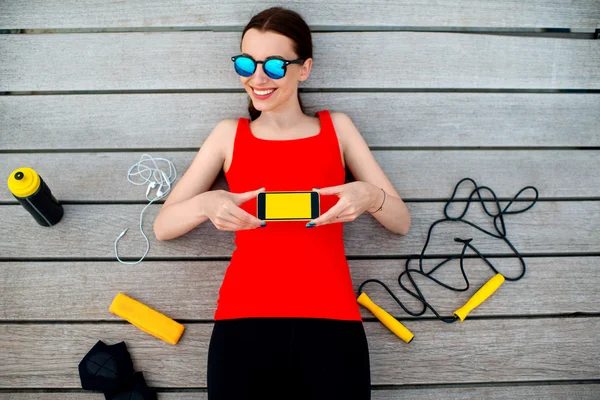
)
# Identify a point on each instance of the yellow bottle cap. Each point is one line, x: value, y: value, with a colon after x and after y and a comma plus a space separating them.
x: 23, y: 182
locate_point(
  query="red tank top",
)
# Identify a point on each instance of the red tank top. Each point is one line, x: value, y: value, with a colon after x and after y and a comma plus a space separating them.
x: 285, y: 269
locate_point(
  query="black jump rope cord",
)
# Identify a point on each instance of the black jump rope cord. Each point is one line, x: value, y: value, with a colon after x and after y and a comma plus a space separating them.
x: 467, y: 244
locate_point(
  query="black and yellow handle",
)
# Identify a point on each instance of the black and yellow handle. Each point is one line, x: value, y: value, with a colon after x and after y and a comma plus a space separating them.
x: 392, y: 323
x: 480, y: 296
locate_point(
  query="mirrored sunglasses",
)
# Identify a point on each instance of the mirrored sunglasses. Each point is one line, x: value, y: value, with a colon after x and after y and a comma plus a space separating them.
x: 274, y: 67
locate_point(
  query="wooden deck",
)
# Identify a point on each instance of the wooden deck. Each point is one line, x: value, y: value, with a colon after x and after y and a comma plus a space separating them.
x: 85, y: 90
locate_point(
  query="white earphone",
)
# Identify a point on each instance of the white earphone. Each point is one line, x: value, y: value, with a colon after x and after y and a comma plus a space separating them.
x: 168, y: 183
x: 151, y: 185
x: 164, y: 181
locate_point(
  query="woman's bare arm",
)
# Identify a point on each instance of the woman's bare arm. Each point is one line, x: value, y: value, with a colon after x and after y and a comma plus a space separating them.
x: 183, y: 209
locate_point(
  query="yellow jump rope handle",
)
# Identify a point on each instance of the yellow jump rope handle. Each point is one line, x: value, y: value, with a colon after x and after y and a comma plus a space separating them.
x: 147, y: 319
x: 392, y: 323
x: 480, y: 296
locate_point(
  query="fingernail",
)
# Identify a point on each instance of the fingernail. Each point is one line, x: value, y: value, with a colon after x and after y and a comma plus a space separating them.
x: 263, y: 224
x: 310, y: 224
x: 316, y: 188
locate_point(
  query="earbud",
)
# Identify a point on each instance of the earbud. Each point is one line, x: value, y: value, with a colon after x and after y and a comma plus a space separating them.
x: 151, y: 185
x: 160, y: 191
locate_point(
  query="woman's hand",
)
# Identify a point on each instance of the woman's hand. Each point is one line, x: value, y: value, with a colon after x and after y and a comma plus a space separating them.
x: 355, y: 198
x: 224, y: 211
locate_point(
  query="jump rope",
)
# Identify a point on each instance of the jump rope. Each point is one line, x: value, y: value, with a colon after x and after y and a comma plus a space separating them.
x: 480, y: 296
x: 388, y: 320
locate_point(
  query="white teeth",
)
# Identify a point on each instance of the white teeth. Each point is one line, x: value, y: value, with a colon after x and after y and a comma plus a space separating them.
x: 262, y: 93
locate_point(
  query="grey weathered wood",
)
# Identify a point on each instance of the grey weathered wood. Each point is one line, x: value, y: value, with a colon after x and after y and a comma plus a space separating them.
x: 201, y: 60
x: 91, y: 231
x: 185, y: 13
x: 493, y: 351
x: 555, y: 173
x: 492, y: 392
x: 512, y: 350
x: 72, y: 291
x: 177, y: 120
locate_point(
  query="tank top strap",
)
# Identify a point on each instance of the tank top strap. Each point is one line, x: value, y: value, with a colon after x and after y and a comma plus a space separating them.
x: 329, y: 137
x: 242, y: 134
x: 327, y: 128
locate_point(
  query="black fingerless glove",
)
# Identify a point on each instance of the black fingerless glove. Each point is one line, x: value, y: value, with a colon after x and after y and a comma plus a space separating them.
x: 109, y: 369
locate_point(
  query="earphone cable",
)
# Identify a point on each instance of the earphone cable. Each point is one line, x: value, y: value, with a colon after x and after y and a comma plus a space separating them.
x: 163, y: 180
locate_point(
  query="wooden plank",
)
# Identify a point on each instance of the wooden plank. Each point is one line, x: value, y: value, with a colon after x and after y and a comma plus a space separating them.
x: 91, y: 230
x: 73, y: 14
x: 172, y: 120
x: 511, y: 350
x: 83, y: 291
x: 201, y: 60
x: 102, y: 177
x: 554, y: 391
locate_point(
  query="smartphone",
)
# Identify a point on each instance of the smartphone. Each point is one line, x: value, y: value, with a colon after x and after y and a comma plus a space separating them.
x: 288, y: 206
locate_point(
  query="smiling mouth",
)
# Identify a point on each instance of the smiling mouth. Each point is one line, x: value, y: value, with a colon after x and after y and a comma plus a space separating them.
x: 268, y: 91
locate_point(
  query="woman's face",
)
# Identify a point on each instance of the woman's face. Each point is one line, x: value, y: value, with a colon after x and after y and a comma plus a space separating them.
x: 261, y: 45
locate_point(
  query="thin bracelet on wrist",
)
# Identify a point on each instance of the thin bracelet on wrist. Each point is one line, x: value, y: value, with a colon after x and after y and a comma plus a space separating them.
x: 381, y: 206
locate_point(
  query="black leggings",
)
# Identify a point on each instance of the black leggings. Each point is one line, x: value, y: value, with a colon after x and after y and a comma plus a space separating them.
x: 288, y: 358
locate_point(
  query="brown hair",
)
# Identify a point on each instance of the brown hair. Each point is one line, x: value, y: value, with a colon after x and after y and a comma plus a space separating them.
x: 288, y: 23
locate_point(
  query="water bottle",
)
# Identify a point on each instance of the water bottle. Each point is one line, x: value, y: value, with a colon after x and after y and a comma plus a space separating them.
x: 32, y: 192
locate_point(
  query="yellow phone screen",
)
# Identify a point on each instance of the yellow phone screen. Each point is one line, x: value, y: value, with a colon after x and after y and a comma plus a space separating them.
x: 287, y: 205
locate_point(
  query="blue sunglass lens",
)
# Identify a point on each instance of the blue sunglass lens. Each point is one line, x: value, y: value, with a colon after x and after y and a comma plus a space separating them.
x: 274, y: 69
x: 244, y: 66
